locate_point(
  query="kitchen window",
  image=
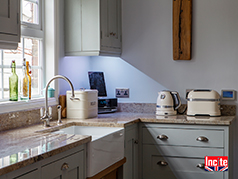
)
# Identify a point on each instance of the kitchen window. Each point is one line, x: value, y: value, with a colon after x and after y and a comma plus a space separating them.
x: 30, y: 47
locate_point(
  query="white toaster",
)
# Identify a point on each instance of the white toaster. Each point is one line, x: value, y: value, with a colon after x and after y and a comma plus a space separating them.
x: 203, y: 103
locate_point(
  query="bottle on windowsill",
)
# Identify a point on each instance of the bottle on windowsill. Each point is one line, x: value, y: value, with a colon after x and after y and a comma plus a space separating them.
x: 13, y: 83
x: 24, y: 82
x: 29, y: 77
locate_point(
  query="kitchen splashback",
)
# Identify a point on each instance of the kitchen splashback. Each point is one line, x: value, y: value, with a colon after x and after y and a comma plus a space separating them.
x: 227, y: 110
x: 22, y: 118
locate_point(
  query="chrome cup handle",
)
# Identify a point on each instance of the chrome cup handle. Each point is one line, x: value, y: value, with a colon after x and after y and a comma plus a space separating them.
x: 162, y: 163
x: 201, y: 165
x: 202, y: 139
x: 162, y: 137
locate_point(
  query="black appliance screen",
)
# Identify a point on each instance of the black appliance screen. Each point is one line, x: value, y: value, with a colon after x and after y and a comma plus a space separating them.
x: 96, y: 81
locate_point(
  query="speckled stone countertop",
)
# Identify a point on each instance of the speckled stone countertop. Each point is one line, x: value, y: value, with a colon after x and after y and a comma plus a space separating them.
x: 23, y: 146
x: 123, y: 119
x: 34, y: 143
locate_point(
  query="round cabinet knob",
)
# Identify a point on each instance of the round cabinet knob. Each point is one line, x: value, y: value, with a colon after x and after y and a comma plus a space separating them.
x: 162, y: 137
x: 201, y: 165
x: 202, y: 139
x: 65, y: 166
x: 162, y: 163
x: 136, y: 141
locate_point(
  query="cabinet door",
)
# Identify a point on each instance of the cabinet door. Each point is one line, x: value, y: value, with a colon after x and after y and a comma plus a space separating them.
x: 68, y: 167
x: 130, y: 168
x: 29, y: 175
x: 9, y: 16
x: 110, y: 24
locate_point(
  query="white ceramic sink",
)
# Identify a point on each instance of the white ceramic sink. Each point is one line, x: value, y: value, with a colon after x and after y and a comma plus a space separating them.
x: 105, y: 149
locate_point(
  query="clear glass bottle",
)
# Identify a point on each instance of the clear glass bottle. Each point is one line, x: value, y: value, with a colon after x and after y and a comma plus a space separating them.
x: 13, y: 83
x: 24, y: 83
x: 29, y: 77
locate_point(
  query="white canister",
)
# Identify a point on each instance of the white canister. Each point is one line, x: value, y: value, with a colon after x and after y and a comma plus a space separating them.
x: 85, y: 107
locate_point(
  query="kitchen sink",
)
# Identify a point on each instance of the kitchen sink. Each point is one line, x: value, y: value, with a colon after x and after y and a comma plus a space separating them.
x: 105, y: 149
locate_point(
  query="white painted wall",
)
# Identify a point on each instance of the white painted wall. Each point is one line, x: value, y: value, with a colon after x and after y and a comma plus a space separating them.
x: 118, y: 73
x: 76, y: 69
x: 147, y: 44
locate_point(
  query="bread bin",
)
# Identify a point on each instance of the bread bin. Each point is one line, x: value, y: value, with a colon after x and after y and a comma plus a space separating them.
x: 202, y: 102
x: 85, y: 107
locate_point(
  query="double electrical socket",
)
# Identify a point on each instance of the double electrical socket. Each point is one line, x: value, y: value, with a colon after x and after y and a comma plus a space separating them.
x: 122, y: 92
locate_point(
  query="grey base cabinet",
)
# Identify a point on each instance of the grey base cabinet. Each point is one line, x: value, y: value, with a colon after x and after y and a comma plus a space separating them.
x: 26, y: 173
x: 70, y: 164
x: 177, y: 151
x: 130, y: 168
x: 67, y: 167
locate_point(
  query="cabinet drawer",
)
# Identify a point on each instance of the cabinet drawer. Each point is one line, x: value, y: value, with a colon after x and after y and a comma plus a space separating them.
x: 180, y: 151
x: 68, y: 165
x: 178, y: 167
x: 183, y: 136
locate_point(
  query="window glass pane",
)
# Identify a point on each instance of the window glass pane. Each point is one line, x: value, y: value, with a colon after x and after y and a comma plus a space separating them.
x: 36, y: 78
x: 31, y: 51
x: 30, y: 11
x: 6, y: 75
x: 9, y: 55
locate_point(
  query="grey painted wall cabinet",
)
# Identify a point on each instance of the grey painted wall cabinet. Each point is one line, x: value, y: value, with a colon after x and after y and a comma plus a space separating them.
x: 174, y: 151
x: 92, y: 27
x: 10, y: 24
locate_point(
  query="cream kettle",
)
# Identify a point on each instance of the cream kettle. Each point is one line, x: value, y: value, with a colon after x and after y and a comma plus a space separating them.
x: 167, y: 103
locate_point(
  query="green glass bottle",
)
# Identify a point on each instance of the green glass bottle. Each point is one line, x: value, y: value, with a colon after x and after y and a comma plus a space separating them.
x: 13, y: 83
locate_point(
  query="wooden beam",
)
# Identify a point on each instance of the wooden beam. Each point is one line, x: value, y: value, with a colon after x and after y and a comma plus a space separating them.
x: 182, y: 29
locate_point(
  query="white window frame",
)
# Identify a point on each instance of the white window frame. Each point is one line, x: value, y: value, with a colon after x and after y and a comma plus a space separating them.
x: 34, y: 31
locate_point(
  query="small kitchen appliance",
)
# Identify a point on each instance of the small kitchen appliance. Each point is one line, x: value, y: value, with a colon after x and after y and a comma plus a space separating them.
x: 167, y: 103
x: 105, y: 104
x: 202, y: 102
x: 85, y: 107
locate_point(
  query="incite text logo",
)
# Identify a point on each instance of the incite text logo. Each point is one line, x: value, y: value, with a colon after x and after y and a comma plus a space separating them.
x: 216, y: 163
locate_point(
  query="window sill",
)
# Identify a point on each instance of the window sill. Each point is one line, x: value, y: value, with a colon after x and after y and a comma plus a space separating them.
x: 11, y: 106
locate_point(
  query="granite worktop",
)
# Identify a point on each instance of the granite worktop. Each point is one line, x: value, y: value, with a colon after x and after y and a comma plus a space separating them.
x: 23, y: 146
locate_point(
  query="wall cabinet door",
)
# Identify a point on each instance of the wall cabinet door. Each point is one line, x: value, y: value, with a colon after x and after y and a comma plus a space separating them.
x: 10, y: 17
x: 110, y: 16
x: 68, y: 167
x: 130, y: 168
x: 92, y: 27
